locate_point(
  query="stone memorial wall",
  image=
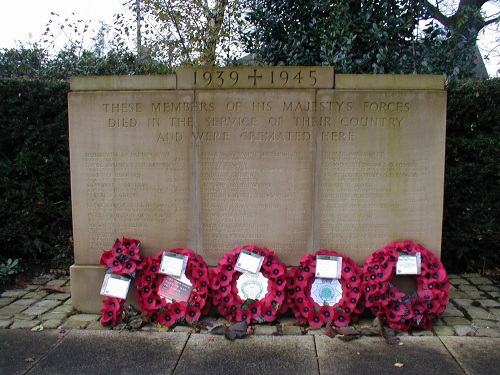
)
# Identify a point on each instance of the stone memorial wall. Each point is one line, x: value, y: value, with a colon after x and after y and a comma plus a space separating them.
x: 295, y: 159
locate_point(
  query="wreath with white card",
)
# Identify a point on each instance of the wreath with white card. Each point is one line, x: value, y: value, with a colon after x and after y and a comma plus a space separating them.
x: 325, y: 289
x: 249, y: 285
x: 400, y: 310
x: 122, y: 262
x: 179, y: 293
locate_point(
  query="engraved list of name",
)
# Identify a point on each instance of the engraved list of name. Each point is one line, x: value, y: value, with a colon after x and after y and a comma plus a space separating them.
x: 132, y: 168
x: 256, y: 171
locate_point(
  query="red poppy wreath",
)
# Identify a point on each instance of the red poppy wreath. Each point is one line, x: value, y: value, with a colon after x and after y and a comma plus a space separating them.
x: 400, y: 310
x: 317, y: 301
x: 168, y: 300
x: 123, y: 259
x: 252, y: 297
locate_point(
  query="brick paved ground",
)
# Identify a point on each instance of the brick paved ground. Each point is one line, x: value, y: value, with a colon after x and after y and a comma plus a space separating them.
x: 474, y: 310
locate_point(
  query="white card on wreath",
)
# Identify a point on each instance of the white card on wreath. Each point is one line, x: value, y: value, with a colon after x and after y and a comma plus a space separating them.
x: 115, y: 286
x: 249, y: 262
x: 328, y: 267
x: 409, y: 264
x: 173, y: 264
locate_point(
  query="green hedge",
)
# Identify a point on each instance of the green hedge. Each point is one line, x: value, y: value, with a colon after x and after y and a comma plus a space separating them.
x: 35, y: 204
x: 471, y: 232
x: 35, y: 208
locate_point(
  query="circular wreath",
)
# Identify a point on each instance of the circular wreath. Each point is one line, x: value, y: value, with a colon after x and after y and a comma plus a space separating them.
x: 307, y: 311
x: 400, y: 310
x: 157, y: 308
x: 225, y: 289
x: 122, y: 259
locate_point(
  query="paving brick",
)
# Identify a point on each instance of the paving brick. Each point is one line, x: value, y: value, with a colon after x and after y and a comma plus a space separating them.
x: 458, y: 282
x: 11, y: 310
x: 58, y: 297
x: 6, y: 323
x: 488, y: 288
x: 80, y: 320
x: 38, y: 294
x: 457, y: 294
x: 462, y: 302
x: 480, y: 281
x: 41, y: 307
x: 443, y: 331
x: 468, y: 288
x: 486, y: 323
x: 452, y: 311
x: 53, y: 315
x: 60, y: 282
x: 465, y: 330
x: 97, y: 326
x: 454, y: 320
x: 470, y: 275
x: 489, y: 303
x: 24, y: 302
x: 479, y: 313
x: 476, y: 295
x: 18, y: 293
x: 52, y: 323
x: 264, y: 329
x: 6, y: 301
x: 292, y: 330
x: 495, y: 294
x: 24, y: 324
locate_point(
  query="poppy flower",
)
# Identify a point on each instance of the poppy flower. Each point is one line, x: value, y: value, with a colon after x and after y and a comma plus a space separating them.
x: 113, y: 264
x: 192, y: 314
x: 112, y: 311
x: 341, y: 318
x: 327, y: 313
x: 243, y: 315
x: 128, y: 268
x: 277, y: 270
x: 315, y: 318
x: 268, y: 313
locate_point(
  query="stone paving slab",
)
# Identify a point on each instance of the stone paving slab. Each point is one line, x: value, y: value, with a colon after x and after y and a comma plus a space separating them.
x: 113, y: 352
x: 418, y: 355
x: 20, y: 350
x: 474, y: 354
x: 262, y: 355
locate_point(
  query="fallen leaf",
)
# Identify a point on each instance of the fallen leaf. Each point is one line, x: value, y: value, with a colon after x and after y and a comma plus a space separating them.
x: 230, y: 335
x: 219, y: 330
x: 348, y: 330
x: 329, y: 331
x: 52, y: 288
x: 240, y: 327
x: 348, y: 337
x: 397, y: 364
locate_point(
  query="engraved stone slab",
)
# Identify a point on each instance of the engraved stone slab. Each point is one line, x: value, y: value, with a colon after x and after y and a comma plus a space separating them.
x: 256, y: 164
x: 131, y: 170
x: 380, y: 170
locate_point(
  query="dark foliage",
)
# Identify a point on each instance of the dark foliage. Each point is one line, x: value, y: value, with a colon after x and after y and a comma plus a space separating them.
x: 35, y: 204
x: 471, y: 231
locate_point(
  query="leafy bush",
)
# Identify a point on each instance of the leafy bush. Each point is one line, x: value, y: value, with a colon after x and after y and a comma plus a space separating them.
x: 35, y: 204
x: 471, y: 235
